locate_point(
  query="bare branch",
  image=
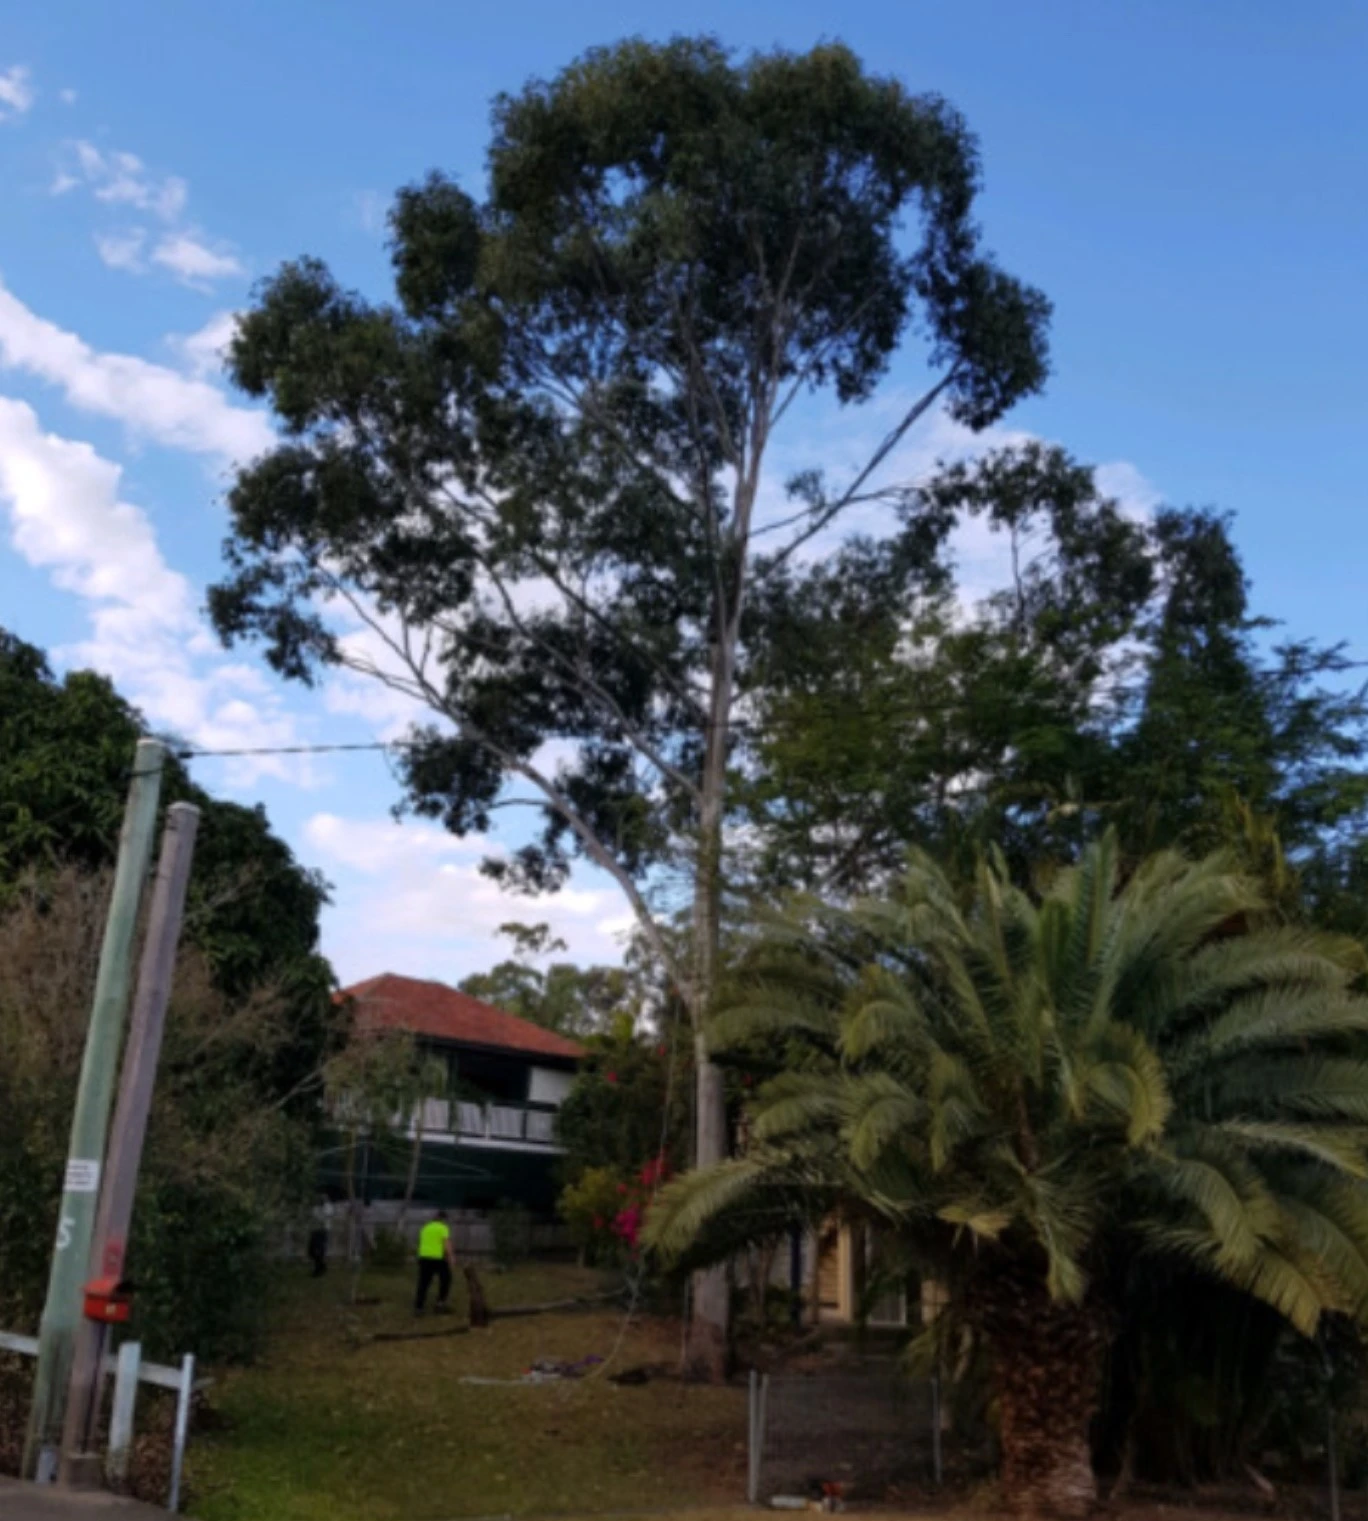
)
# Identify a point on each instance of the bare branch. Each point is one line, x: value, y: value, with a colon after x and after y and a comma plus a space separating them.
x: 594, y: 847
x: 824, y: 515
x: 597, y: 692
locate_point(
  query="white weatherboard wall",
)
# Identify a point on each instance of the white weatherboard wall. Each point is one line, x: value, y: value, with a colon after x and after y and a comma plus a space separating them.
x: 546, y: 1085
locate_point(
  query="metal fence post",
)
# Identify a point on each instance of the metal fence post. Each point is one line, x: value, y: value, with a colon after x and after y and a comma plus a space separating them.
x: 936, y: 1430
x: 752, y: 1402
x: 761, y: 1411
x: 1332, y: 1463
x: 121, y: 1415
x: 183, y: 1398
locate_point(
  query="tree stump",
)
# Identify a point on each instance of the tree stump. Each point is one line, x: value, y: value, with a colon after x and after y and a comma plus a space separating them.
x: 479, y: 1309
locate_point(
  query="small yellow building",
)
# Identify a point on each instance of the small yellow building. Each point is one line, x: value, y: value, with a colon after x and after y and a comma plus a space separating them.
x: 842, y: 1255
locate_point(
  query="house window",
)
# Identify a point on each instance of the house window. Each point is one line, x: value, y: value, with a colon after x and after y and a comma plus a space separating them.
x: 548, y: 1086
x: 488, y: 1076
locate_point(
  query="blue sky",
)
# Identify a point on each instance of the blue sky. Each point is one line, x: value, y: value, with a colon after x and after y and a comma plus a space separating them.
x: 1189, y: 183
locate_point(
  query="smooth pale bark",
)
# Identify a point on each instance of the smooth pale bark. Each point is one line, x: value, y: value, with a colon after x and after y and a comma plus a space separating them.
x: 705, y: 1354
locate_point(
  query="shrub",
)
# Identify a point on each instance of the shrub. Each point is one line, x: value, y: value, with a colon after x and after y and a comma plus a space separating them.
x: 589, y: 1207
x: 224, y: 1166
x: 389, y: 1249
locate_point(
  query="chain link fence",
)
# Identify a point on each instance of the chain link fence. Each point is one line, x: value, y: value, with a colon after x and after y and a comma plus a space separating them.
x: 842, y: 1435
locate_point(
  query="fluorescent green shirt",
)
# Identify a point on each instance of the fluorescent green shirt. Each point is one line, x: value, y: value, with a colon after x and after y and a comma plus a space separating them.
x: 433, y: 1238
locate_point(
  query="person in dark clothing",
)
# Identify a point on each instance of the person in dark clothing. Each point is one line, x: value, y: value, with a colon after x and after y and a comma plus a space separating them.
x: 318, y: 1237
x: 435, y: 1260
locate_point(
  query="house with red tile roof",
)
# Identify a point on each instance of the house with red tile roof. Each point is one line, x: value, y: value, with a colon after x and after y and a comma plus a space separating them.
x: 489, y: 1134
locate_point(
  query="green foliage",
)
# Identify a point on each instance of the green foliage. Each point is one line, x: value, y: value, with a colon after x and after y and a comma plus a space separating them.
x: 543, y: 458
x: 589, y: 1206
x: 203, y: 1271
x: 252, y: 909
x: 225, y: 1164
x: 1035, y: 1095
x: 572, y: 1000
x: 1119, y: 680
x: 625, y: 1105
x: 388, y: 1250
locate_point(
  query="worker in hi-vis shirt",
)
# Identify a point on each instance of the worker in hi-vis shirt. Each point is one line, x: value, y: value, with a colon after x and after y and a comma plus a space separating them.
x: 435, y: 1260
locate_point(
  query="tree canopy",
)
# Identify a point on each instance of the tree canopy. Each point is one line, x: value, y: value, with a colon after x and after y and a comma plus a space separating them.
x: 252, y: 908
x: 1118, y: 678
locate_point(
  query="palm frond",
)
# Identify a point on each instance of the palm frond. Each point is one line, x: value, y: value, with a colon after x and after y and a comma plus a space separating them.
x: 879, y: 1109
x: 797, y: 1103
x: 684, y: 1207
x: 768, y: 1011
x: 1297, y: 1087
x: 1339, y: 1146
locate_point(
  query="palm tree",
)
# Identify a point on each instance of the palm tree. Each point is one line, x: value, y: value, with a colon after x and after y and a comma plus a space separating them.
x: 1034, y: 1092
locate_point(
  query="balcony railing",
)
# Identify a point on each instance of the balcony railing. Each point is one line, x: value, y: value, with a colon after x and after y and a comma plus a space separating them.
x: 489, y: 1122
x: 515, y: 1123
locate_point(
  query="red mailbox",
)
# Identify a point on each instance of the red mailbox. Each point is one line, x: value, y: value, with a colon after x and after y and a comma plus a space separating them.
x: 109, y: 1300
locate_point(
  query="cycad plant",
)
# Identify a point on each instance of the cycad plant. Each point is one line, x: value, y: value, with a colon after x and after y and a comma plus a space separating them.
x: 1036, y: 1092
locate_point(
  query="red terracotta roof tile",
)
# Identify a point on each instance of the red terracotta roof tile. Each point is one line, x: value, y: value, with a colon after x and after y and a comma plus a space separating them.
x: 391, y: 1002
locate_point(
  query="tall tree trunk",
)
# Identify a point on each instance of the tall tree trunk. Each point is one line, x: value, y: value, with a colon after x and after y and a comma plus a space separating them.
x: 1047, y: 1375
x: 705, y: 1354
x: 415, y: 1160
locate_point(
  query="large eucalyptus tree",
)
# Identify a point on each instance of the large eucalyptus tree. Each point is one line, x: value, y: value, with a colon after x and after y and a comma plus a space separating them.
x: 538, y: 476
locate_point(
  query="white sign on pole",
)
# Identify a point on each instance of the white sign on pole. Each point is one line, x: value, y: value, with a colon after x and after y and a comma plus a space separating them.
x: 82, y: 1176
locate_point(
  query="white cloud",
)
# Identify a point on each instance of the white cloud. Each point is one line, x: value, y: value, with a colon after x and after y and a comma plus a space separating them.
x: 122, y: 250
x: 410, y: 898
x: 117, y: 178
x: 202, y: 352
x: 1134, y: 492
x: 152, y: 400
x: 369, y: 208
x: 67, y: 97
x: 17, y: 93
x: 67, y: 518
x: 120, y: 179
x: 192, y: 261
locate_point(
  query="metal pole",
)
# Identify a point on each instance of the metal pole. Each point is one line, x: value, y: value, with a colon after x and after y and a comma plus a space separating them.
x: 156, y: 971
x: 936, y: 1429
x: 762, y: 1424
x: 121, y: 1416
x: 1332, y: 1462
x: 752, y: 1452
x: 796, y: 1275
x: 183, y: 1397
x: 90, y: 1122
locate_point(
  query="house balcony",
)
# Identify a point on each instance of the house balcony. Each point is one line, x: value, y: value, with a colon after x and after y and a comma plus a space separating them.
x: 512, y: 1126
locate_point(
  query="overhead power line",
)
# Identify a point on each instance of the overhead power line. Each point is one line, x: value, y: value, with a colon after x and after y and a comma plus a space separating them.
x: 803, y: 708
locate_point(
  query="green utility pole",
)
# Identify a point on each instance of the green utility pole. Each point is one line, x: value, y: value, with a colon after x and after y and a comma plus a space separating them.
x: 81, y: 1464
x: 90, y: 1123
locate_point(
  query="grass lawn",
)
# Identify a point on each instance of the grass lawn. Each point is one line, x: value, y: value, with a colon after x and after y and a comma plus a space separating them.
x: 333, y: 1426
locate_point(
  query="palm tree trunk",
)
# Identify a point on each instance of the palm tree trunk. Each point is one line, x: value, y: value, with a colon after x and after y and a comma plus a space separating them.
x: 1047, y: 1367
